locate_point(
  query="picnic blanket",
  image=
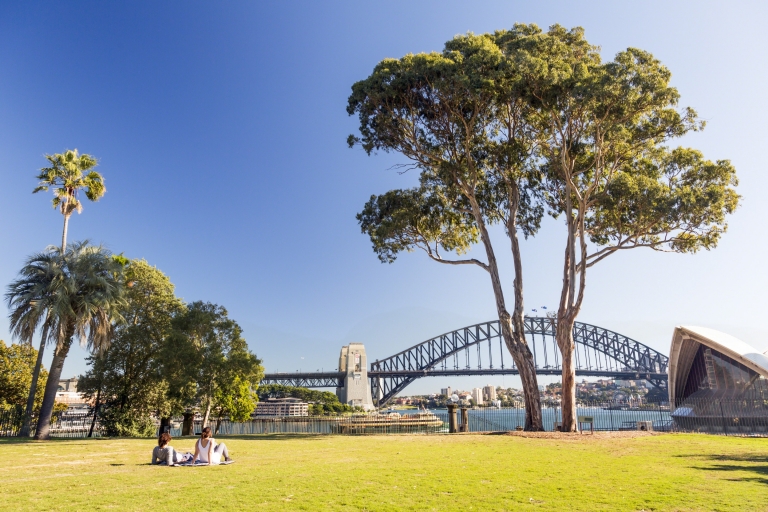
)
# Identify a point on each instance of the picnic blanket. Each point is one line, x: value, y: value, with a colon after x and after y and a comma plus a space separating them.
x: 222, y: 463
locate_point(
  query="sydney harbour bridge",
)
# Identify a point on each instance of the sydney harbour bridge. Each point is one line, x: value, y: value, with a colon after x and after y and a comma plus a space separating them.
x: 480, y: 350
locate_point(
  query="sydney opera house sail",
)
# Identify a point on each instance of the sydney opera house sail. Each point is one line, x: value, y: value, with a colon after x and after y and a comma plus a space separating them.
x: 717, y: 382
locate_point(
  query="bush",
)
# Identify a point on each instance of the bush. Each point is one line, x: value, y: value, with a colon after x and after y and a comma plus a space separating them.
x: 125, y: 424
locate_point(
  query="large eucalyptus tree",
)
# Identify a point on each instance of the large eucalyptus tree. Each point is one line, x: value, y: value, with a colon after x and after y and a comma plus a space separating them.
x: 601, y: 131
x: 460, y: 117
x: 76, y: 293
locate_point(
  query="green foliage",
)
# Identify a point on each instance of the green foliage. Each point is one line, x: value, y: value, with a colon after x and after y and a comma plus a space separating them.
x: 128, y: 378
x: 78, y: 292
x: 70, y: 172
x: 401, y: 220
x: 505, y: 126
x: 17, y: 362
x: 204, y: 355
x: 236, y: 399
x: 321, y: 402
x: 58, y: 408
x: 126, y: 423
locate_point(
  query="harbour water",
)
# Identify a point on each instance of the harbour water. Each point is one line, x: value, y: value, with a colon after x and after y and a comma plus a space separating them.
x: 480, y: 420
x: 493, y: 419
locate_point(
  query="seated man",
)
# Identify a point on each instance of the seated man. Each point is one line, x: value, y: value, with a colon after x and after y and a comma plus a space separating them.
x: 164, y: 452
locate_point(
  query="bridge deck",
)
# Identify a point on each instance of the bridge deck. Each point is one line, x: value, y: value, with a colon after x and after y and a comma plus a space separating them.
x: 480, y: 350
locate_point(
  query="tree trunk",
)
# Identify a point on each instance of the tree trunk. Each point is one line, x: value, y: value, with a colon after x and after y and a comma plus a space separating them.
x: 187, y: 423
x: 526, y: 365
x: 64, y: 234
x: 95, y: 412
x: 520, y: 352
x: 207, y: 413
x: 51, y: 387
x: 24, y: 432
x: 564, y: 335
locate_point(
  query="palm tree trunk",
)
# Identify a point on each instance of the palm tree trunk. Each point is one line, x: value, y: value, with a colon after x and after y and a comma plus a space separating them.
x: 64, y: 234
x: 51, y: 387
x: 24, y: 432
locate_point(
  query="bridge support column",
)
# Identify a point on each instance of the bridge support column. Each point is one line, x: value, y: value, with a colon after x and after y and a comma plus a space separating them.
x: 357, y: 388
x: 452, y: 420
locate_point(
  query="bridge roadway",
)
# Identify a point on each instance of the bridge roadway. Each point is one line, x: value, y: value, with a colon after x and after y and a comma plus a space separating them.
x: 336, y: 379
x: 480, y: 350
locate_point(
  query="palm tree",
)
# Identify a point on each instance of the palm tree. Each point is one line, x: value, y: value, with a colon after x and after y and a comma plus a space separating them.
x: 66, y: 174
x: 73, y: 293
x: 70, y: 173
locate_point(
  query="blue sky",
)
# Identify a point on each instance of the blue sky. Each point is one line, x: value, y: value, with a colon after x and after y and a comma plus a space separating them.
x: 221, y: 127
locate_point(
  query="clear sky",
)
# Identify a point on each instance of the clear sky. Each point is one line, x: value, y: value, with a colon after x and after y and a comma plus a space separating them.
x: 220, y: 128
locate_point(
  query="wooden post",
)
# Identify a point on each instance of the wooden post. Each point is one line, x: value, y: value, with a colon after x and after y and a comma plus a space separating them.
x: 464, y: 419
x: 452, y: 420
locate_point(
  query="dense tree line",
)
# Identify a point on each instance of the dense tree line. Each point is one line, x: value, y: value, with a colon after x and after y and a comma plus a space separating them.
x: 169, y: 358
x: 152, y: 355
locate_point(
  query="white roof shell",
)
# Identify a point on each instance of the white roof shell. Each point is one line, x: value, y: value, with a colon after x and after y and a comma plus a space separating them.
x: 685, y: 342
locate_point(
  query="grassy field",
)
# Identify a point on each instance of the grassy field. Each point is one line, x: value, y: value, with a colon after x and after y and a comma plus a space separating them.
x: 462, y: 472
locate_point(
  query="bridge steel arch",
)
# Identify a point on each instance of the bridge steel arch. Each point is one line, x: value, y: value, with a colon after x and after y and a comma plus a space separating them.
x: 599, y: 352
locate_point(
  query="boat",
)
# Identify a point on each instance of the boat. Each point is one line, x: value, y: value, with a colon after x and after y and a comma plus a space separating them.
x: 422, y: 421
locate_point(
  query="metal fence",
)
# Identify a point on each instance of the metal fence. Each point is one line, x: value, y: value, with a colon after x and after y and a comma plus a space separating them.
x: 64, y: 424
x: 723, y: 417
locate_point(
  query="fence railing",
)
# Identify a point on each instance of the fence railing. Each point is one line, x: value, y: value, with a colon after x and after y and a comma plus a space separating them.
x: 63, y: 424
x: 723, y: 417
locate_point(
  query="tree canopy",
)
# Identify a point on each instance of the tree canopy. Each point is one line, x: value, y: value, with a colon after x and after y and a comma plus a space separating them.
x: 202, y: 358
x: 460, y: 117
x: 504, y: 127
x: 128, y: 379
x: 17, y: 362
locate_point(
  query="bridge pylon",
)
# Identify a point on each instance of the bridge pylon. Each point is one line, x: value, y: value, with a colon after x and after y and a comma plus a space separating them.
x: 356, y: 390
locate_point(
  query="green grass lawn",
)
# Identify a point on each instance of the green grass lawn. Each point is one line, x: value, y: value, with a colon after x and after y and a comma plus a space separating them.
x: 441, y: 472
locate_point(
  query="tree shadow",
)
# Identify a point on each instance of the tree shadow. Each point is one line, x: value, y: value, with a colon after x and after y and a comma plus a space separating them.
x: 273, y: 437
x: 756, y: 464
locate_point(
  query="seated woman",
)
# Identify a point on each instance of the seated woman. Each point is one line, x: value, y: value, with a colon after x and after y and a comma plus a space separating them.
x: 207, y: 451
x: 164, y: 452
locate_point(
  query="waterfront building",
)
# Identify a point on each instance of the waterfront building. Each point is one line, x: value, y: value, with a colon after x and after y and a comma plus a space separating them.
x: 446, y: 391
x: 477, y: 395
x: 489, y: 393
x: 717, y: 382
x: 281, y: 407
x: 67, y: 393
x: 68, y: 385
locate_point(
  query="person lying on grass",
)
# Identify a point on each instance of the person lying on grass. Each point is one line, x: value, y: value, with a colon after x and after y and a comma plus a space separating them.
x: 207, y: 451
x: 164, y: 452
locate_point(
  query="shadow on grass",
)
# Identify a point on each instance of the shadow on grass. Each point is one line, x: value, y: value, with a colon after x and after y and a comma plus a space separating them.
x: 244, y: 437
x: 757, y: 464
x: 274, y: 437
